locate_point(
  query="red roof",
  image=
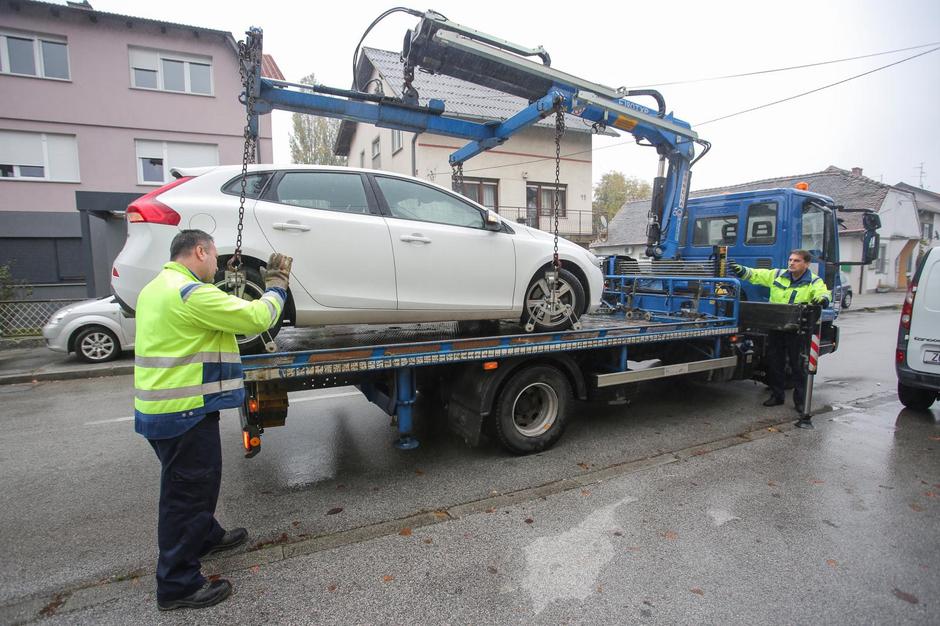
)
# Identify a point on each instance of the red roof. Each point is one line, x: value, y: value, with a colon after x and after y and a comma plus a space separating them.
x: 269, y: 68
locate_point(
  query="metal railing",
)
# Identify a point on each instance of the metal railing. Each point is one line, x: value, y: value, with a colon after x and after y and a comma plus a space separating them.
x: 573, y: 223
x: 25, y: 318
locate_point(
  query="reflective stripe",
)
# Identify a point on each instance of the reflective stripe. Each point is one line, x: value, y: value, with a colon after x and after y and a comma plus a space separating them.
x: 150, y: 395
x: 274, y: 294
x: 199, y: 357
x: 272, y: 308
x: 793, y: 296
x: 187, y: 290
x: 779, y: 286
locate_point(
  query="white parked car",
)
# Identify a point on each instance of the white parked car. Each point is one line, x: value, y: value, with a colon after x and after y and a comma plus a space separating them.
x: 95, y: 330
x: 368, y: 247
x: 917, y: 361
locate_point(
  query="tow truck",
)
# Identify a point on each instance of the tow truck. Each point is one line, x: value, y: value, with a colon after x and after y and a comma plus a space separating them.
x: 665, y: 316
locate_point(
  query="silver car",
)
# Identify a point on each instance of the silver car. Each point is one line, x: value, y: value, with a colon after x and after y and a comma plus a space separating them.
x: 95, y: 330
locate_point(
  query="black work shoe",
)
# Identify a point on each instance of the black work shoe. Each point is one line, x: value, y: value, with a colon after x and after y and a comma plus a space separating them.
x: 805, y: 422
x: 231, y: 539
x: 209, y: 594
x: 773, y: 401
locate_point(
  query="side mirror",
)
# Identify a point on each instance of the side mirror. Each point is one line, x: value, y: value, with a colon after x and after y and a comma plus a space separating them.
x: 492, y: 222
x: 871, y: 221
x: 871, y: 242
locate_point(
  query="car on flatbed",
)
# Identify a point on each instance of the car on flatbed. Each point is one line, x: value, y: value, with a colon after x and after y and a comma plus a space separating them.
x: 369, y: 247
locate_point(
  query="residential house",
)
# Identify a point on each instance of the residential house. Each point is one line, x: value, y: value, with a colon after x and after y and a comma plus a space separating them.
x: 516, y: 179
x: 928, y: 213
x: 900, y: 231
x: 97, y: 107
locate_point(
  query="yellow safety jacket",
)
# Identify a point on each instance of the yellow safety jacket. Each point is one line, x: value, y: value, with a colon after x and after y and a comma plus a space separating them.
x: 187, y: 362
x: 785, y: 290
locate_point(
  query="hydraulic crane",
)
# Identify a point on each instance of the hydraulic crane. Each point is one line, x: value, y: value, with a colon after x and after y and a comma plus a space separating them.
x: 438, y: 45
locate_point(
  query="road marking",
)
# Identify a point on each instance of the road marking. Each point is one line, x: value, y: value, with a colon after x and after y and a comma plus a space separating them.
x: 326, y: 396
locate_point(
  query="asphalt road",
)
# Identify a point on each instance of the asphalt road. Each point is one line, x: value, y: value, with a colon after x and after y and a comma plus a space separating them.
x: 834, y: 525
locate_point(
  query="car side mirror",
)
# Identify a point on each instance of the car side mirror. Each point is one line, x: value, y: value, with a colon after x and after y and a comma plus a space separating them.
x: 492, y: 222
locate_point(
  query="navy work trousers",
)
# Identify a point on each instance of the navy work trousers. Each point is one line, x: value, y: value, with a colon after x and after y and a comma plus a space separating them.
x: 189, y: 489
x: 781, y: 348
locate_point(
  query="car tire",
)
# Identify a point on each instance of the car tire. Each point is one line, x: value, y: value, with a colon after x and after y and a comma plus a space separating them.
x: 847, y: 300
x: 915, y: 397
x: 535, y: 293
x: 254, y: 289
x: 96, y: 344
x: 532, y: 409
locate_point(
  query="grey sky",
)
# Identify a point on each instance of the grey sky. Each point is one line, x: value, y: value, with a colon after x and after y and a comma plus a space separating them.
x: 886, y: 123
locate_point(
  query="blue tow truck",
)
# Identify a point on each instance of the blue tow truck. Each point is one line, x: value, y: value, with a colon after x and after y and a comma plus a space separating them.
x: 677, y: 312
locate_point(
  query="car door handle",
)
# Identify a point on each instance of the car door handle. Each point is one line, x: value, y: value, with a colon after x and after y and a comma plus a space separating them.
x: 415, y: 238
x: 289, y: 226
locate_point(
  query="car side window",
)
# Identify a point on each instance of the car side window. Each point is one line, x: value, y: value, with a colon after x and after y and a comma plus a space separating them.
x: 413, y: 201
x: 328, y: 191
x: 254, y: 185
x: 761, y: 224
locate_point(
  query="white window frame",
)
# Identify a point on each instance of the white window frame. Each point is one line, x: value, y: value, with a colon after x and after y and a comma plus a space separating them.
x: 38, y: 60
x: 45, y: 178
x: 377, y: 153
x: 164, y: 55
x: 396, y: 141
x: 167, y: 177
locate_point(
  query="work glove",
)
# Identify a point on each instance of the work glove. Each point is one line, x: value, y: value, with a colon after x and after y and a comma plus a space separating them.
x: 739, y: 270
x: 823, y: 302
x: 277, y: 272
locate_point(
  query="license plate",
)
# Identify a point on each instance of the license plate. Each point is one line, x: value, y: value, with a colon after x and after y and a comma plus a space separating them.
x: 931, y: 357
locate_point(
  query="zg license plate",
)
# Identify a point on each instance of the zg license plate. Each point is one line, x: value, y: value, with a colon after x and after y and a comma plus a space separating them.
x: 931, y: 356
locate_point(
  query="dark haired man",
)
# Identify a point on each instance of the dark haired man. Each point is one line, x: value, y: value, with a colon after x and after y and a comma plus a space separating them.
x: 794, y: 285
x: 187, y: 369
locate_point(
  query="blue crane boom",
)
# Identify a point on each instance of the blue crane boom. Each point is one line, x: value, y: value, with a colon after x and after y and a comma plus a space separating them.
x: 438, y: 45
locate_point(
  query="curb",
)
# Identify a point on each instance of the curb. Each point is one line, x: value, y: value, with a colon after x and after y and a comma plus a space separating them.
x: 30, y: 377
x: 872, y: 309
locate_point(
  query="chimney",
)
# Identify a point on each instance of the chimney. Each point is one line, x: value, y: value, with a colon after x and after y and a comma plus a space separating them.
x: 856, y: 171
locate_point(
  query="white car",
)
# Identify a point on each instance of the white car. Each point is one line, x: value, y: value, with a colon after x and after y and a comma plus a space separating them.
x: 95, y: 330
x: 368, y: 247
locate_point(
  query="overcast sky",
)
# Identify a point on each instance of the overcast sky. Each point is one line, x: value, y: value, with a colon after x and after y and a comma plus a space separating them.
x: 887, y: 123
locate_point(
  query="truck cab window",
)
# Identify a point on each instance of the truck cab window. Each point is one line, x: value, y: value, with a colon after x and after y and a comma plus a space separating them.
x: 720, y: 230
x: 761, y: 224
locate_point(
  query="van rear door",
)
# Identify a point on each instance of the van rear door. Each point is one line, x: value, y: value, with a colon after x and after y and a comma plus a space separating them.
x: 923, y: 348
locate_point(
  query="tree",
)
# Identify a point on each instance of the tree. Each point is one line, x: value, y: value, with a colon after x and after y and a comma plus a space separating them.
x: 312, y: 137
x: 615, y: 189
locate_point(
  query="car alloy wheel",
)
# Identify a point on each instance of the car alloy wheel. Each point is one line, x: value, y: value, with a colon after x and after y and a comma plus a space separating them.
x: 253, y: 290
x: 96, y: 345
x: 549, y: 313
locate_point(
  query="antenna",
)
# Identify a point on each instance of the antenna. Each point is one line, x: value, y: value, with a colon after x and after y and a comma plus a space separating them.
x: 923, y: 173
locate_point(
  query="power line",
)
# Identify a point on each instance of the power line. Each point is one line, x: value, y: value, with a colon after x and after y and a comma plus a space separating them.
x: 806, y: 93
x: 784, y: 69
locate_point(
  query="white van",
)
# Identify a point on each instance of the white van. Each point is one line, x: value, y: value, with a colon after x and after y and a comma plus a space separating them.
x: 918, y: 356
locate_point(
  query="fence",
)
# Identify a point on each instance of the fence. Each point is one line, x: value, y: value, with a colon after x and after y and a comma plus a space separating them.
x: 573, y: 224
x: 25, y: 318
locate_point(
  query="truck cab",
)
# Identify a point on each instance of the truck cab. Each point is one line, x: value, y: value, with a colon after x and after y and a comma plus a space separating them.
x: 760, y: 228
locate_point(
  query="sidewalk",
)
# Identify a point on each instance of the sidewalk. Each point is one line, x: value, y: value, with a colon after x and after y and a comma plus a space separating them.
x: 26, y: 362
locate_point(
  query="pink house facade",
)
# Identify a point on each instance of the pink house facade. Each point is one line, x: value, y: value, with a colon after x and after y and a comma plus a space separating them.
x: 97, y: 107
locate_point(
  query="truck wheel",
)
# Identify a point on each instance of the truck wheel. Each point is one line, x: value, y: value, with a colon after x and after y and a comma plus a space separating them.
x: 915, y: 397
x: 532, y: 409
x: 254, y: 289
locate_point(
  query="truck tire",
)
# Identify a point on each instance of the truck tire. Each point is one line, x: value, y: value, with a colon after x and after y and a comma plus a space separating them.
x: 915, y: 397
x: 531, y: 410
x: 254, y: 289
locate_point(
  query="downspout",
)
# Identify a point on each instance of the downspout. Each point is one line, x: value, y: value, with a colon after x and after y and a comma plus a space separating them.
x: 414, y: 157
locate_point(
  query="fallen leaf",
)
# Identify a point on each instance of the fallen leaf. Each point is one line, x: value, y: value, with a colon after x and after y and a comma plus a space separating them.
x: 832, y: 563
x: 387, y: 578
x: 419, y: 472
x: 671, y: 535
x: 428, y: 541
x: 584, y: 466
x: 817, y: 482
x: 405, y: 532
x: 917, y: 508
x: 585, y: 492
x: 905, y: 596
x: 331, y: 588
x: 529, y: 520
x: 441, y: 514
x: 491, y: 569
x: 255, y: 569
x: 771, y: 483
x: 773, y: 429
x: 600, y: 589
x: 334, y: 511
x: 295, y: 523
x: 697, y: 591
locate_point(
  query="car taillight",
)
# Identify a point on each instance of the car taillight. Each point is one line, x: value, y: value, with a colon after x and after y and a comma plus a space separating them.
x: 150, y: 210
x: 908, y: 307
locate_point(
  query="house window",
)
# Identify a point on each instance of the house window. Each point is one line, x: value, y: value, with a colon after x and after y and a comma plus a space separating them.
x: 376, y: 155
x: 482, y: 191
x: 396, y: 141
x: 362, y: 159
x: 170, y: 71
x: 38, y: 156
x: 156, y: 158
x: 926, y: 231
x: 881, y: 265
x: 539, y: 198
x: 34, y: 55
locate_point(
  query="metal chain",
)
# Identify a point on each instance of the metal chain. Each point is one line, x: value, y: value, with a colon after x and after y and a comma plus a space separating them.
x: 559, y: 131
x: 248, y: 57
x: 457, y: 177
